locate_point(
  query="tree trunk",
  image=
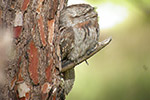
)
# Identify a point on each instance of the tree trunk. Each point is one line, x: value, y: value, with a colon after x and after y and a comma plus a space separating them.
x: 32, y: 71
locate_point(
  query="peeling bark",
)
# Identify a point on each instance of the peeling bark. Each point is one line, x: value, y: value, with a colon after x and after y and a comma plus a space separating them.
x: 33, y: 71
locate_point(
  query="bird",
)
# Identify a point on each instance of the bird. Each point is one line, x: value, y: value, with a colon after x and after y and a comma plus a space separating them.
x: 79, y: 30
x: 79, y: 34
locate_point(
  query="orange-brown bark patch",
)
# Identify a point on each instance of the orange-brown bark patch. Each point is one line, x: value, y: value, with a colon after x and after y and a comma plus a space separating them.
x: 54, y: 97
x: 23, y: 98
x: 50, y: 30
x: 25, y: 5
x: 27, y: 96
x: 45, y: 88
x: 41, y: 30
x: 17, y: 31
x: 33, y: 63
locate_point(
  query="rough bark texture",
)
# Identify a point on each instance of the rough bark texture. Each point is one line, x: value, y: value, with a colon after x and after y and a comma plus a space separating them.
x: 32, y: 73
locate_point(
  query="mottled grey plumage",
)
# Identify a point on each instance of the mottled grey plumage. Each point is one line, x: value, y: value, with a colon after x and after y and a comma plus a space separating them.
x: 79, y: 29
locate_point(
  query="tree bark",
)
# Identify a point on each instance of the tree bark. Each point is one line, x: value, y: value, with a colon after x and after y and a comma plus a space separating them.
x: 32, y: 72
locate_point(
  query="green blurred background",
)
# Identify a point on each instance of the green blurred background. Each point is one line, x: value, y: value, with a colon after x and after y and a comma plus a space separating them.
x: 121, y: 71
